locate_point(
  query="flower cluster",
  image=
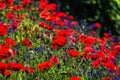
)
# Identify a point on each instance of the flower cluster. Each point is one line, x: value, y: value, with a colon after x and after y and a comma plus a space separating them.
x: 43, y: 41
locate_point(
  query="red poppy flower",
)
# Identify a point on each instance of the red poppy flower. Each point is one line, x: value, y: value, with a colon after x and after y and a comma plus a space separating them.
x: 92, y: 32
x: 88, y: 49
x: 24, y: 2
x: 101, y: 55
x: 15, y: 66
x: 4, y: 51
x: 17, y: 8
x: 97, y: 25
x: 93, y: 56
x: 44, y: 65
x: 102, y: 41
x: 45, y: 15
x: 87, y: 40
x: 10, y: 16
x: 59, y: 23
x: 117, y: 47
x: 29, y: 69
x: 43, y: 1
x: 10, y: 2
x: 43, y: 4
x: 3, y: 30
x: 51, y: 6
x: 63, y: 33
x: 7, y: 73
x: 110, y: 65
x: 61, y: 14
x: 27, y: 43
x: 73, y: 53
x: 96, y: 63
x: 54, y: 59
x: 71, y: 17
x: 49, y: 27
x: 42, y: 24
x: 3, y: 67
x: 110, y: 56
x: 106, y: 34
x: 74, y: 23
x: 106, y: 79
x: 75, y: 78
x: 59, y: 41
x: 2, y: 5
x: 10, y: 41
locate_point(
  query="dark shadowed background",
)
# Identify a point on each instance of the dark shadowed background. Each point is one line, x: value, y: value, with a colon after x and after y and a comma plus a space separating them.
x: 107, y: 12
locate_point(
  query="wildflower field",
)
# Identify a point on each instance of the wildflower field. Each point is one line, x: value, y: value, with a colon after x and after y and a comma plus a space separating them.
x: 39, y: 42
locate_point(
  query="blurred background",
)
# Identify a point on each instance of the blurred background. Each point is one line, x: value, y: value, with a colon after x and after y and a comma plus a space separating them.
x: 107, y: 12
